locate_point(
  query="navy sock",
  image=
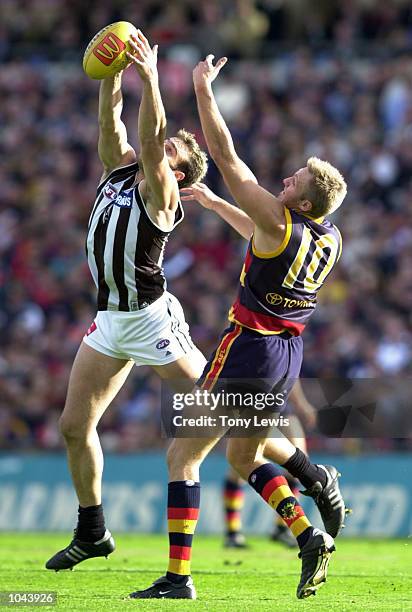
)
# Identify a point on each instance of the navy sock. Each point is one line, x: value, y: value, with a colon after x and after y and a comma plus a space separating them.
x: 90, y: 526
x: 308, y: 473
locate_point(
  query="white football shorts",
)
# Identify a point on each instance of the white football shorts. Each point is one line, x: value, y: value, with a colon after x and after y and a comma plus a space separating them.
x: 156, y: 335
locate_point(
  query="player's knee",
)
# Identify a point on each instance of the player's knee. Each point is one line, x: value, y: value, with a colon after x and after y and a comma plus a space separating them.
x: 174, y: 456
x: 240, y: 458
x: 178, y: 456
x: 71, y: 429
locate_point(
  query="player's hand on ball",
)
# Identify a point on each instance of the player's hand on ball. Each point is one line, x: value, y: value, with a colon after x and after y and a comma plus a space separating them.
x: 199, y: 192
x: 205, y: 72
x: 143, y: 56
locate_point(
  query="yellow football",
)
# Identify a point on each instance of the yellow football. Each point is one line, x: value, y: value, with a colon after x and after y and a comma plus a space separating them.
x: 105, y: 54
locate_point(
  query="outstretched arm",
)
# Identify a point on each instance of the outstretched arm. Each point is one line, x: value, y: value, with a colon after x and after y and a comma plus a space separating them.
x: 233, y: 215
x: 152, y: 128
x: 114, y: 150
x: 265, y: 209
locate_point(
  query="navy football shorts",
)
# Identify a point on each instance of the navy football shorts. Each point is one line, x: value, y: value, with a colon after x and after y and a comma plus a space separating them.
x: 246, y: 361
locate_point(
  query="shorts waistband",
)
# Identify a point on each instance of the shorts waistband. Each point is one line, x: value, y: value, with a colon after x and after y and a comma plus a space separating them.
x: 142, y: 304
x: 135, y: 305
x: 285, y: 335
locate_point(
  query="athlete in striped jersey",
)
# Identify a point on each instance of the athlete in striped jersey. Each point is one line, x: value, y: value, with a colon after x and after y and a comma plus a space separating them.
x: 138, y: 321
x: 292, y: 249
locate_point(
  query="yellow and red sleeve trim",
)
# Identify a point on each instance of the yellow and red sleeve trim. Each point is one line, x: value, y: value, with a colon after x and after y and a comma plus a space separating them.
x: 221, y: 355
x: 264, y: 324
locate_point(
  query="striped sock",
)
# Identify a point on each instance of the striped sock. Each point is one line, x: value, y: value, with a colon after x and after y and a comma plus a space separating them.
x: 182, y: 513
x: 294, y: 487
x: 267, y: 480
x: 233, y: 499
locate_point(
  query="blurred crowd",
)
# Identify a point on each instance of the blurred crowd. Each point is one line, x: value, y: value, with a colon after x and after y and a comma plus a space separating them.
x: 328, y: 78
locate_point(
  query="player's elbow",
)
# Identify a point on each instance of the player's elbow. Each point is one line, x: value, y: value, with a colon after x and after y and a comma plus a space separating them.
x: 155, y: 136
x: 152, y: 145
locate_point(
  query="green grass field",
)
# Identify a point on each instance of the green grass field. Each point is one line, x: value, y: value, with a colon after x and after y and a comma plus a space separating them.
x: 363, y: 575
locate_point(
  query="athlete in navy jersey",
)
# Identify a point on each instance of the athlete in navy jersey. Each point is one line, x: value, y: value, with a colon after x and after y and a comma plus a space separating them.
x: 278, y: 290
x: 298, y: 410
x: 292, y: 250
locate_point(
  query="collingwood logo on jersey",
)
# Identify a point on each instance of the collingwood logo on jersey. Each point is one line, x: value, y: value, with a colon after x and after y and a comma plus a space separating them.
x: 124, y: 247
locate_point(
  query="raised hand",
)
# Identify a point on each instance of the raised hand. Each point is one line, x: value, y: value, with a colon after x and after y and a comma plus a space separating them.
x: 205, y: 72
x: 143, y: 57
x: 201, y: 193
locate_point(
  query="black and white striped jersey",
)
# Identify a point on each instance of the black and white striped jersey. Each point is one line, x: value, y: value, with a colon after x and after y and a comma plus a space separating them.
x: 124, y: 247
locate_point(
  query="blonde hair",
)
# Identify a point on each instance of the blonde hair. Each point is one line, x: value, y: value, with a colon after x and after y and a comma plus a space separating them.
x: 326, y: 190
x: 195, y: 165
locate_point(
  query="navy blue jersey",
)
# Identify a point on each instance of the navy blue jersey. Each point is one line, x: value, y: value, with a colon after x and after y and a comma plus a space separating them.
x: 278, y: 290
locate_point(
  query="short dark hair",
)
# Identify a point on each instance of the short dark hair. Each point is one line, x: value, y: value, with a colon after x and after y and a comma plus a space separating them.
x: 195, y: 165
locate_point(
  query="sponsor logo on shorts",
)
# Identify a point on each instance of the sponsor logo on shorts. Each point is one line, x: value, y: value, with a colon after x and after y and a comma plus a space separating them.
x: 162, y: 344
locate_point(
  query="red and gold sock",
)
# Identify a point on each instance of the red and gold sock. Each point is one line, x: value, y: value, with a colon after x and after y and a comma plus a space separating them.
x: 294, y: 487
x: 267, y: 480
x: 233, y: 500
x: 182, y: 514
